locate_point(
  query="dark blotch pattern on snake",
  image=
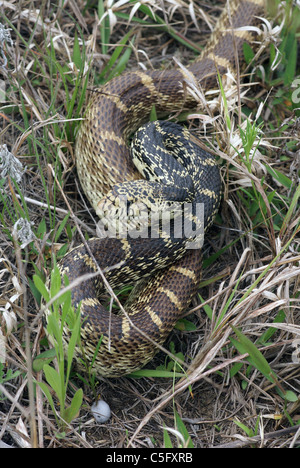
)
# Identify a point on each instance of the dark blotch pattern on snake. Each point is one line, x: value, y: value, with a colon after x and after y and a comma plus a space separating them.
x: 171, y: 272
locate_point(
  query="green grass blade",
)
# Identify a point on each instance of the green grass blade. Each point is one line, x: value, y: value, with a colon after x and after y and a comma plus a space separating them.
x: 156, y: 373
x: 73, y: 410
x: 53, y: 379
x: 104, y: 27
x: 167, y: 440
x: 40, y: 285
x: 294, y: 204
x: 180, y: 426
x: 226, y: 113
x: 245, y: 346
x: 48, y: 395
x: 75, y: 335
x: 43, y: 358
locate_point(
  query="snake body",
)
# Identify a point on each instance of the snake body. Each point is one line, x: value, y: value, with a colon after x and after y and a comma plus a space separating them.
x: 171, y: 272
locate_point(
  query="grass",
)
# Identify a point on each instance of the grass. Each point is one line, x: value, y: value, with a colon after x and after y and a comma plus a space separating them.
x: 235, y: 365
x: 58, y: 379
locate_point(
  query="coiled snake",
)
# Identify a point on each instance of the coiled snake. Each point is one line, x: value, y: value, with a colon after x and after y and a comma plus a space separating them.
x: 104, y: 161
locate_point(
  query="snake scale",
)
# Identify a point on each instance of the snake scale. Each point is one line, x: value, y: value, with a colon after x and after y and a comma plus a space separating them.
x: 171, y: 274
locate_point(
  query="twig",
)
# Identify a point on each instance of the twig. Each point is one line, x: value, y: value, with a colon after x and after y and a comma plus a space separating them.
x: 54, y: 208
x: 21, y: 268
x: 244, y: 441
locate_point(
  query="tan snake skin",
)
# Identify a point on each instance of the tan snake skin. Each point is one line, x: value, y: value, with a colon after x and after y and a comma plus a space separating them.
x: 103, y: 159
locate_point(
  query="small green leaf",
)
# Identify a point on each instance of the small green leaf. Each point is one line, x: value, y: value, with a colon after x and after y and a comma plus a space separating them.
x: 43, y: 358
x: 277, y: 175
x: 185, y: 325
x: 36, y: 293
x: 248, y: 53
x: 265, y: 337
x: 41, y: 230
x: 48, y: 395
x: 72, y: 343
x: 53, y: 380
x: 153, y: 114
x: 291, y: 396
x: 53, y: 328
x: 73, y: 410
x: 55, y: 282
x: 207, y: 309
x: 183, y: 430
x: 76, y: 52
x: 291, y: 59
x: 235, y: 368
x: 61, y: 227
x: 40, y: 285
x: 167, y: 440
x: 96, y: 351
x: 256, y: 358
x: 245, y: 428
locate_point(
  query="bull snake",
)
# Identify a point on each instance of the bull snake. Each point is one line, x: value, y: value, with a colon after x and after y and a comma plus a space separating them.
x: 167, y: 276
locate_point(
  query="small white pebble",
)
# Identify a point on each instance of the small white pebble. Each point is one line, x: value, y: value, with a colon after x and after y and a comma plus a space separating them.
x: 101, y: 411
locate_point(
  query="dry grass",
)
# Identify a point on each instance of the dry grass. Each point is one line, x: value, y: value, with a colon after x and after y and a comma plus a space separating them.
x: 251, y: 268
